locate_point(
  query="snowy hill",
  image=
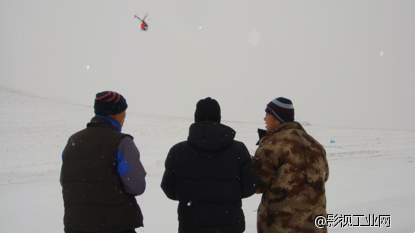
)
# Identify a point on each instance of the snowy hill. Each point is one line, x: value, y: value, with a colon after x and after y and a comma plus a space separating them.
x: 372, y: 171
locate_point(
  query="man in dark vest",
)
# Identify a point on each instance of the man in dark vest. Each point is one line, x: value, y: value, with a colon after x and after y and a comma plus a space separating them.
x: 102, y: 173
x: 209, y: 174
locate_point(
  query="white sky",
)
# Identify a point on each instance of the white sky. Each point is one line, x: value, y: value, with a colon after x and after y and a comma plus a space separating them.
x: 342, y: 63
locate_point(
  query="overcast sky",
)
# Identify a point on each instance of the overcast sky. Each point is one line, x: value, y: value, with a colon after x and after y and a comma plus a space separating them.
x: 342, y: 63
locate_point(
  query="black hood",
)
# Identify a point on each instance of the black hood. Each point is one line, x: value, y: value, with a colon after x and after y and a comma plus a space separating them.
x: 210, y: 136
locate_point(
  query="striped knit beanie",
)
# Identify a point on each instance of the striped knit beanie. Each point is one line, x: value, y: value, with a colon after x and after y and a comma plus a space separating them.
x: 109, y: 103
x: 282, y: 109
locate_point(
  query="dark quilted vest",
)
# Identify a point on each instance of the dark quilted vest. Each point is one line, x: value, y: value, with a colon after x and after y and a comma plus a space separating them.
x: 94, y: 198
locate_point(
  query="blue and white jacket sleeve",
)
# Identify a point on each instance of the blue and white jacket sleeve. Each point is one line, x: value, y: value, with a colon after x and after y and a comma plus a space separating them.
x: 129, y: 167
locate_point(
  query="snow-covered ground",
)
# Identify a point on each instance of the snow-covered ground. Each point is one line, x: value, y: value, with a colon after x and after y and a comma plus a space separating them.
x: 372, y: 171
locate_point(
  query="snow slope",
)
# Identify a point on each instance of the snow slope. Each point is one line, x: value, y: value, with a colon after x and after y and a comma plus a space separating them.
x: 372, y: 171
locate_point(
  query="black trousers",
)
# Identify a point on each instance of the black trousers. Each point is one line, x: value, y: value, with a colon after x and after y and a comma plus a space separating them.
x: 128, y: 231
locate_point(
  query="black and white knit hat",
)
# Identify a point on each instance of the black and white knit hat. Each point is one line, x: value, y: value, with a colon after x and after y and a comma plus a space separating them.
x: 109, y: 103
x: 282, y: 109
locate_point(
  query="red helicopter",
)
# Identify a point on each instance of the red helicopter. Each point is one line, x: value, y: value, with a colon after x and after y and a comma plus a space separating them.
x: 144, y: 25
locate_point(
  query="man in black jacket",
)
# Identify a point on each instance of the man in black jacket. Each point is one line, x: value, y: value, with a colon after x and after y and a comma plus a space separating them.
x: 209, y: 174
x: 101, y: 173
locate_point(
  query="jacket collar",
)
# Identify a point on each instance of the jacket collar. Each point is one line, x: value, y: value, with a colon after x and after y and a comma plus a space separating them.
x: 104, y: 119
x: 279, y: 128
x: 210, y: 136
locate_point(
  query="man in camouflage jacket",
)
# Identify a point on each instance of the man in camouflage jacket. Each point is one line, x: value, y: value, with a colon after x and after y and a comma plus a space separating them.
x: 292, y: 168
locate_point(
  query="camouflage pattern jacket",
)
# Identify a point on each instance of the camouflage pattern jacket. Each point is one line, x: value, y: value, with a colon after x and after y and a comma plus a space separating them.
x: 292, y: 168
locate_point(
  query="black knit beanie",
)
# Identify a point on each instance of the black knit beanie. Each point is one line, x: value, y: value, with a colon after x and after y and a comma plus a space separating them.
x: 109, y: 103
x: 281, y: 108
x: 207, y: 110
